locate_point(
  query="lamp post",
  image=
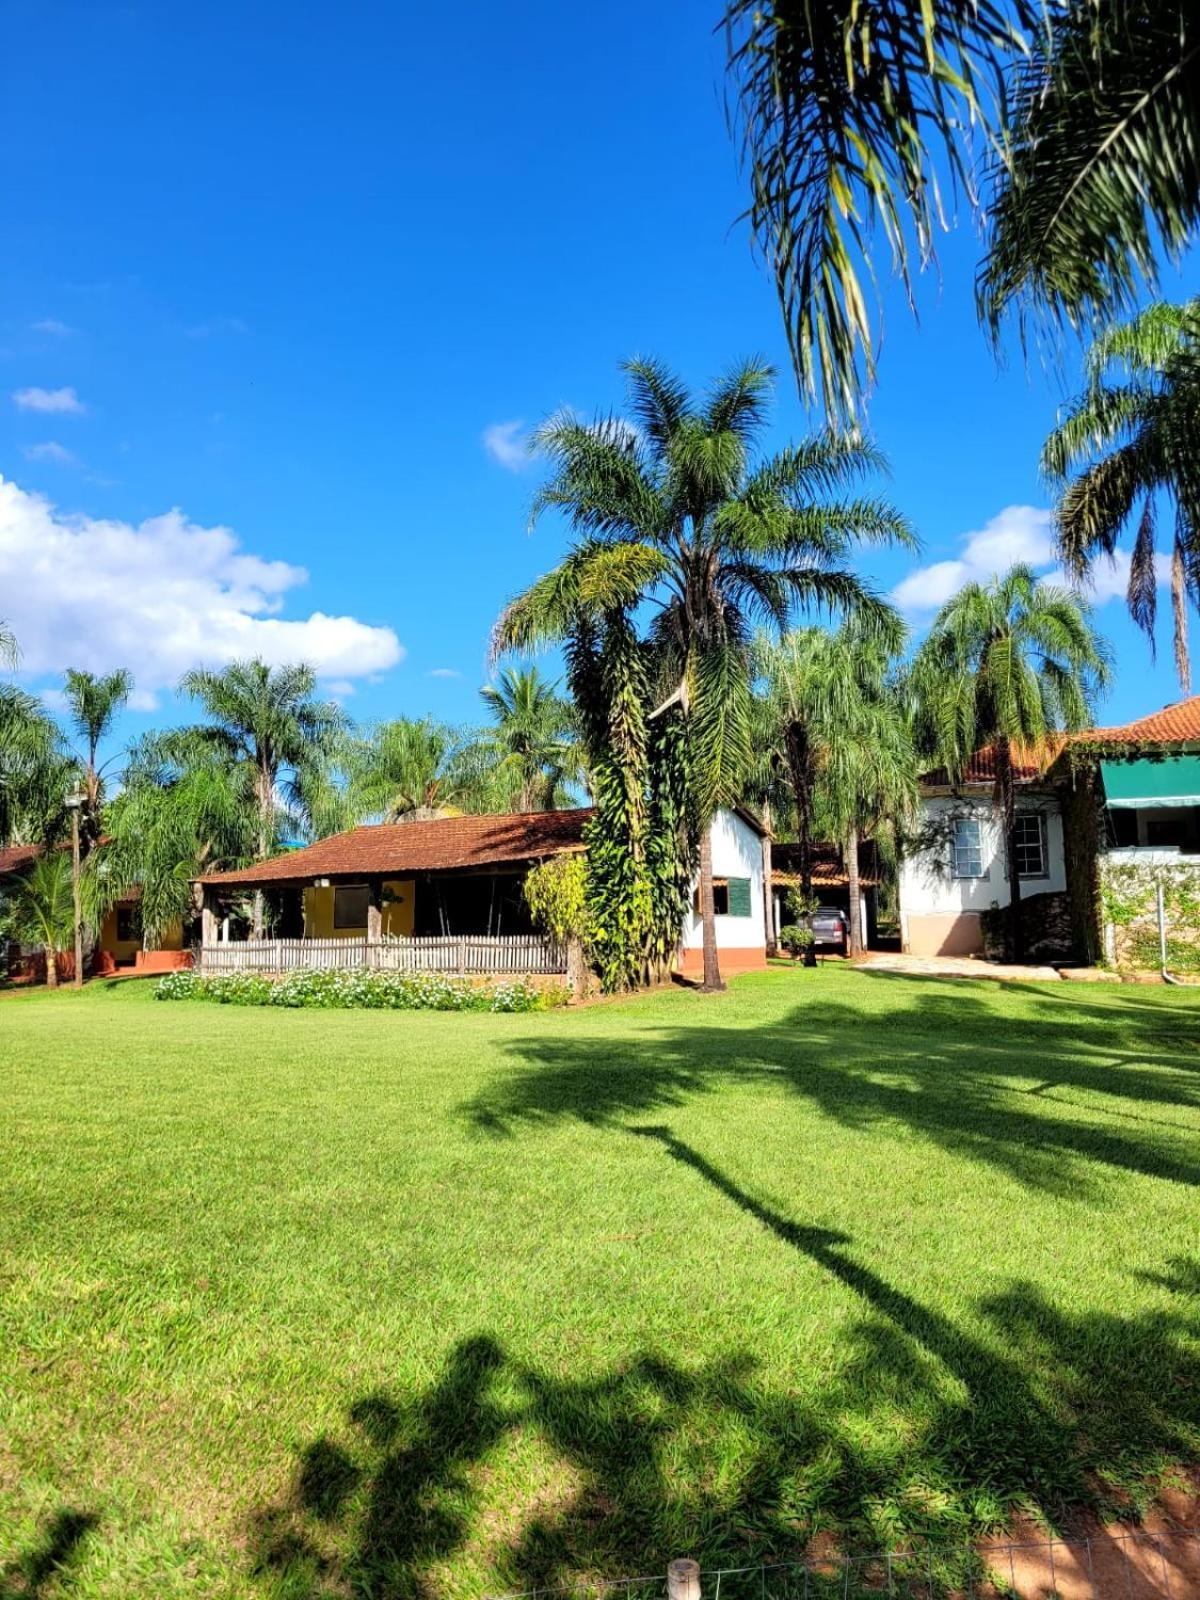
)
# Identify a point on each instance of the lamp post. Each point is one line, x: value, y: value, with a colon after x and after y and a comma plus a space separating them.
x: 75, y: 802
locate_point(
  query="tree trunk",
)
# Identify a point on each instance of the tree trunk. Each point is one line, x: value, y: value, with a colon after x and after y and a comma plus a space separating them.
x: 1013, y: 944
x: 51, y: 968
x: 266, y: 816
x: 800, y: 770
x: 768, y: 883
x: 708, y: 915
x: 855, y: 944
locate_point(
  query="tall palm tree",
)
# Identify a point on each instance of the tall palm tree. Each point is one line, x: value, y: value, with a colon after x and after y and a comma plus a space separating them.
x: 93, y: 704
x: 531, y: 744
x: 670, y: 508
x: 833, y: 724
x: 1131, y: 435
x: 36, y: 770
x: 267, y: 720
x: 410, y: 768
x: 38, y: 909
x: 853, y: 113
x: 1007, y: 664
x: 186, y: 808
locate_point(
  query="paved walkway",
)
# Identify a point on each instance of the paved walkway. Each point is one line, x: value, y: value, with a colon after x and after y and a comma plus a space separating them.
x: 954, y: 967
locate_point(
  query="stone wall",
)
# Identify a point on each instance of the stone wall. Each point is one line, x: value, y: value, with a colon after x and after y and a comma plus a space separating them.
x: 1128, y: 901
x: 1047, y: 933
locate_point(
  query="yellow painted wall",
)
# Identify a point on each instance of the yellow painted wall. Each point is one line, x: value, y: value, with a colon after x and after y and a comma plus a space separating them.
x: 397, y: 912
x: 127, y: 949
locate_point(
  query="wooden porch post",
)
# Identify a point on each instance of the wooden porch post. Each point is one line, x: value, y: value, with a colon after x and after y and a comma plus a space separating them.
x: 375, y: 911
x: 208, y: 916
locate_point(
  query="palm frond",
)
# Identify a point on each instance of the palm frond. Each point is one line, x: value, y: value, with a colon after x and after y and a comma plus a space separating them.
x: 1103, y: 165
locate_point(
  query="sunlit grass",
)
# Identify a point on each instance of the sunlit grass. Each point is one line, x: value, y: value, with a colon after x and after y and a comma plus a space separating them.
x: 313, y: 1303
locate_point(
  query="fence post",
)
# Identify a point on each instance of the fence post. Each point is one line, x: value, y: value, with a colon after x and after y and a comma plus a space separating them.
x: 683, y: 1580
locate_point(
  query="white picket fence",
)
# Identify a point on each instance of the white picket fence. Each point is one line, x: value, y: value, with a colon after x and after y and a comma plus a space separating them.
x: 465, y: 956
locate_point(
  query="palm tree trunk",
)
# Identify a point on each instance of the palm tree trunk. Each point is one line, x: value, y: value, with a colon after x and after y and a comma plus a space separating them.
x: 1013, y: 944
x: 768, y: 882
x: 51, y: 968
x: 854, y: 937
x: 266, y: 807
x: 708, y: 915
x: 799, y: 769
x: 1183, y: 666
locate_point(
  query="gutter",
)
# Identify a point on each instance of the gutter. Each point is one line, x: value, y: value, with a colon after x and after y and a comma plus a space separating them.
x: 1162, y: 940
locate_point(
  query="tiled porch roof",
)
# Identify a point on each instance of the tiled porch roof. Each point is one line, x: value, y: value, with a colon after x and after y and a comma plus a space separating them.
x: 400, y: 849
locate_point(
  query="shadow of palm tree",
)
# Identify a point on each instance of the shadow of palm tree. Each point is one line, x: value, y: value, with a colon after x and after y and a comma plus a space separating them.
x: 1052, y: 1100
x: 658, y: 1458
x: 45, y: 1567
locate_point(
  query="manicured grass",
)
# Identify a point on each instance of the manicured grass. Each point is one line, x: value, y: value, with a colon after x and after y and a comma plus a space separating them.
x: 309, y: 1303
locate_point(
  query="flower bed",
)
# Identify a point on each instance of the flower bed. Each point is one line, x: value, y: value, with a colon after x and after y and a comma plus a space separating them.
x: 360, y: 989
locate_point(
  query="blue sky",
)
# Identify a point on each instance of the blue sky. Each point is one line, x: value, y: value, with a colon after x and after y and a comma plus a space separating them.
x: 271, y: 274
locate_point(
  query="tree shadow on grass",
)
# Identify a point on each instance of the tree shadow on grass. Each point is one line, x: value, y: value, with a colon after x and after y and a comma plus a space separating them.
x: 44, y: 1568
x: 924, y: 1433
x: 1052, y: 1099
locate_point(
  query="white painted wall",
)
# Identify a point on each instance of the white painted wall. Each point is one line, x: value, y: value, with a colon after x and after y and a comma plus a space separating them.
x: 737, y: 853
x: 926, y: 886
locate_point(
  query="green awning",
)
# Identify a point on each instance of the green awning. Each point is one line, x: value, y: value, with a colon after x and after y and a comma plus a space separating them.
x: 1142, y: 783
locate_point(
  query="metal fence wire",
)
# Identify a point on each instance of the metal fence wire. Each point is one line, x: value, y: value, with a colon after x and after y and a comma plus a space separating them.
x: 1111, y: 1564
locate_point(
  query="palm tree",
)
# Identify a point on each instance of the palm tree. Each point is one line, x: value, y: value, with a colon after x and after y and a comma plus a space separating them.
x: 410, y: 769
x: 1130, y: 435
x: 834, y: 725
x: 853, y: 113
x: 1008, y: 664
x: 670, y: 509
x: 186, y: 809
x: 266, y: 720
x: 531, y: 744
x: 39, y: 909
x: 35, y: 770
x: 94, y: 702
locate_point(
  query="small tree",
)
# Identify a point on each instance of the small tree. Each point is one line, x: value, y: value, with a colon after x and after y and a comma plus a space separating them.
x: 556, y: 894
x: 39, y: 909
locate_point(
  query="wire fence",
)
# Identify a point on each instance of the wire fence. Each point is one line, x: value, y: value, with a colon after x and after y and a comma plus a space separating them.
x: 1110, y: 1564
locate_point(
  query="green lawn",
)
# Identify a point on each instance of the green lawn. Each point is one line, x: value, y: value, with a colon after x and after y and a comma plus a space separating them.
x: 304, y: 1303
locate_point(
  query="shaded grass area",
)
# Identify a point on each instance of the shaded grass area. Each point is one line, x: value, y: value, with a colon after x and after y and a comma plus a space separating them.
x: 302, y: 1304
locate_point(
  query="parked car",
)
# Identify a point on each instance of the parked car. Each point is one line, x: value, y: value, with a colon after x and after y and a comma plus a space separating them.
x: 830, y: 927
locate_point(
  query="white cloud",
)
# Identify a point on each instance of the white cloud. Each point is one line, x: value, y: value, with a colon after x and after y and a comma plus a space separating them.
x: 1018, y: 533
x: 52, y: 326
x: 49, y: 400
x: 505, y: 443
x: 159, y: 597
x: 51, y: 450
x: 444, y: 672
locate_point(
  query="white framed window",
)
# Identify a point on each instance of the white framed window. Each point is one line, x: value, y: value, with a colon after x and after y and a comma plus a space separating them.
x: 1030, y: 845
x: 966, y: 848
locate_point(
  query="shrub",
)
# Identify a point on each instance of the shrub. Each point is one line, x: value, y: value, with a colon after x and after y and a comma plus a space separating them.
x: 360, y: 990
x: 795, y: 937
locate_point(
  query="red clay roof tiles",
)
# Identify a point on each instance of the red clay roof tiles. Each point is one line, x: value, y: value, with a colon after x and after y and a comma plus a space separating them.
x: 401, y: 848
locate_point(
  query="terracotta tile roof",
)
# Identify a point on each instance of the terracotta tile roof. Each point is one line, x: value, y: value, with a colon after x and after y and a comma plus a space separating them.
x: 828, y: 870
x: 981, y: 768
x: 18, y: 856
x: 400, y: 848
x: 1174, y: 724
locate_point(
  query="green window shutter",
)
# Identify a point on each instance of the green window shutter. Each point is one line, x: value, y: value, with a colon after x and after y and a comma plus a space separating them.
x: 739, y: 897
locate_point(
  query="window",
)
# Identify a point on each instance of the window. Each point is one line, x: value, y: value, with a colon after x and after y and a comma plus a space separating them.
x: 126, y: 932
x: 731, y: 897
x: 1030, y: 844
x: 967, y: 849
x: 350, y: 906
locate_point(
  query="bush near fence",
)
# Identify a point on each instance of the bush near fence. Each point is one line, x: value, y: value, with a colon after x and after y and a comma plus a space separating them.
x: 332, y: 990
